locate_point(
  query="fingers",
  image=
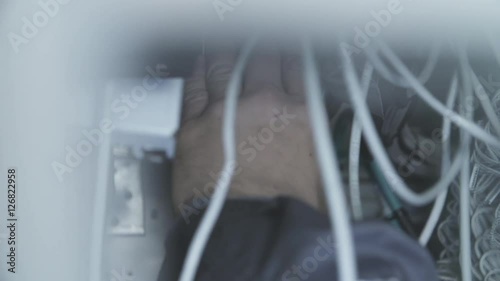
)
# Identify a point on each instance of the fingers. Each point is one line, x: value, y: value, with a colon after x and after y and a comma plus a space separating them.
x: 263, y: 70
x: 195, y: 93
x: 268, y: 68
x: 220, y: 60
x: 293, y: 71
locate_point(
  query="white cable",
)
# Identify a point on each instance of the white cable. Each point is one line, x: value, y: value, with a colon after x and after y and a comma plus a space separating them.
x: 400, y: 81
x: 204, y: 230
x: 437, y: 209
x: 430, y: 65
x: 377, y: 149
x: 338, y: 114
x: 330, y: 173
x: 354, y: 149
x: 434, y: 103
x: 494, y: 47
x: 485, y: 102
x: 465, y: 236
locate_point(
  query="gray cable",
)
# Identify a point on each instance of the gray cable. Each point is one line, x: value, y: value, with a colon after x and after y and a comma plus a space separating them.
x: 465, y: 243
x: 434, y: 103
x: 437, y: 209
x: 485, y: 101
x: 377, y: 149
x: 204, y: 230
x: 465, y: 236
x: 330, y: 173
x: 354, y: 150
x: 401, y: 81
x: 494, y: 47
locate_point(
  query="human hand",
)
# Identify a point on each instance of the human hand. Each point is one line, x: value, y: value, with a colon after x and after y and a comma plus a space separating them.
x: 275, y: 153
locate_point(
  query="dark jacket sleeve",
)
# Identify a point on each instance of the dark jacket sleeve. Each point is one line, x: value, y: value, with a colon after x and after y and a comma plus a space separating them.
x: 284, y: 239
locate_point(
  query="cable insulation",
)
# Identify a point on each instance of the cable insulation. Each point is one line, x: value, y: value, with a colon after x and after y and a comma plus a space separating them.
x: 329, y: 168
x: 437, y: 209
x: 354, y: 151
x: 204, y: 230
x: 377, y: 149
x: 434, y: 103
x: 465, y: 231
x: 424, y: 76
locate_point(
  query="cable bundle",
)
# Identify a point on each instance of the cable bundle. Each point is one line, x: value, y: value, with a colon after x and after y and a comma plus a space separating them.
x: 477, y: 194
x: 484, y: 188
